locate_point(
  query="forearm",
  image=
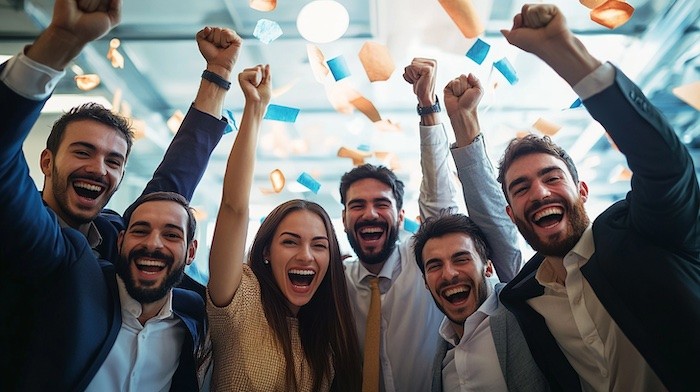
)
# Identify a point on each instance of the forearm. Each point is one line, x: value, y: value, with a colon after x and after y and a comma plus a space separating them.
x: 210, y: 96
x: 55, y: 48
x: 569, y: 58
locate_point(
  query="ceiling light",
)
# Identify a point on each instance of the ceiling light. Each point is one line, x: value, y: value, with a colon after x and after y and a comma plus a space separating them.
x: 323, y: 21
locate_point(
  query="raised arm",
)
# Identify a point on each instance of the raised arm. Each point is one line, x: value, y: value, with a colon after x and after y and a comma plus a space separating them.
x: 482, y: 193
x: 437, y: 191
x: 187, y: 156
x: 228, y: 245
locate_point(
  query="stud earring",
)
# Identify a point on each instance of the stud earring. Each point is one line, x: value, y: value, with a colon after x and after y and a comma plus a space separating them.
x: 266, y: 261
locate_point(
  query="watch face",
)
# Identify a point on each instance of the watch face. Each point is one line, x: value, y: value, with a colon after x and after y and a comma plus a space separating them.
x: 429, y: 109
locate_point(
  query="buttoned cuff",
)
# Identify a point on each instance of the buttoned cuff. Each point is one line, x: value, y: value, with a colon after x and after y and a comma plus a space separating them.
x: 30, y: 79
x: 595, y: 82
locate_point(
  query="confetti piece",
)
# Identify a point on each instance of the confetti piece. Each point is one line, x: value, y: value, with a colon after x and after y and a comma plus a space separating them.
x: 619, y: 174
x: 339, y: 68
x: 317, y: 61
x: 592, y: 3
x: 689, y: 93
x: 478, y: 51
x: 367, y: 108
x: 139, y: 128
x: 175, y: 120
x: 410, y: 226
x: 279, y: 91
x: 546, y: 127
x: 231, y: 123
x: 507, y: 70
x: 281, y: 113
x: 199, y: 213
x: 113, y: 54
x: 612, y: 13
x: 267, y: 31
x: 464, y: 15
x: 277, y: 179
x: 306, y: 180
x: 87, y: 82
x: 576, y: 104
x: 263, y: 5
x: 377, y: 61
x: 358, y: 157
x: 363, y: 147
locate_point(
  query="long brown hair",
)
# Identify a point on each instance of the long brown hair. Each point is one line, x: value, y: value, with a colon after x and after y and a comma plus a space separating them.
x: 326, y: 324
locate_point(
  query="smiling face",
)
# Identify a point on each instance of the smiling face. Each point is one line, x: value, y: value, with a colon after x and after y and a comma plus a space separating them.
x: 299, y: 255
x: 153, y: 250
x: 545, y: 203
x: 85, y: 171
x: 371, y: 220
x: 456, y: 276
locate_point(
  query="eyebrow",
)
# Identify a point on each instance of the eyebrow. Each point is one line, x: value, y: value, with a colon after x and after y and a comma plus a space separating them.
x: 540, y: 173
x: 93, y: 148
x: 320, y: 237
x: 148, y: 224
x: 375, y: 200
x: 453, y: 256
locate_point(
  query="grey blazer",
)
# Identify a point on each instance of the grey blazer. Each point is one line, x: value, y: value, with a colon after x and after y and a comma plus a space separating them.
x: 519, y: 369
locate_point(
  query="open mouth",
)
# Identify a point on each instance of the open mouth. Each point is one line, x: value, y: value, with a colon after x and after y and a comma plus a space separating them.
x: 457, y: 294
x: 371, y: 233
x: 301, y: 277
x: 150, y: 266
x: 548, y: 217
x: 87, y: 190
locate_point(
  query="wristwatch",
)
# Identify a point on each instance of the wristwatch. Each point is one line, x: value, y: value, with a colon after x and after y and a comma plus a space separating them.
x: 435, y: 108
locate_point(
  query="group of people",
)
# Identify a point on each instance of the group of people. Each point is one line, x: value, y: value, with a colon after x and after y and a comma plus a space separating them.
x: 96, y: 301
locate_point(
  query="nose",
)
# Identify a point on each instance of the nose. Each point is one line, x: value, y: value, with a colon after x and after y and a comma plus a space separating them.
x: 449, y: 272
x: 539, y: 191
x: 153, y: 241
x: 97, y: 166
x: 370, y: 213
x: 305, y: 254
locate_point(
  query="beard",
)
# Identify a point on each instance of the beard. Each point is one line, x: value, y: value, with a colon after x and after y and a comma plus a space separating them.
x: 481, y: 295
x: 577, y: 222
x: 383, y: 254
x: 60, y: 184
x: 146, y: 295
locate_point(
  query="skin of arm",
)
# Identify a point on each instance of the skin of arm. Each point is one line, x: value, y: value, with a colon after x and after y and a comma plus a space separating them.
x: 228, y: 245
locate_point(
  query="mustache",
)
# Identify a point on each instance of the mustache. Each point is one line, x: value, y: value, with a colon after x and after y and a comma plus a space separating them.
x: 144, y: 253
x: 537, y: 204
x: 455, y: 280
x: 87, y: 176
x: 360, y: 225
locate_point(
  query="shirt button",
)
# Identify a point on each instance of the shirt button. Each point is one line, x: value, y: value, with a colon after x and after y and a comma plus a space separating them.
x: 604, y: 372
x: 577, y: 299
x: 590, y: 340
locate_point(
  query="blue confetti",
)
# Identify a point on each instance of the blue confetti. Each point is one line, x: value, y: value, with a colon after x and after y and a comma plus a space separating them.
x: 577, y: 104
x: 281, y: 113
x: 363, y: 147
x: 267, y: 31
x: 410, y: 226
x: 231, y: 123
x: 478, y: 51
x: 306, y: 180
x: 339, y: 68
x: 505, y: 68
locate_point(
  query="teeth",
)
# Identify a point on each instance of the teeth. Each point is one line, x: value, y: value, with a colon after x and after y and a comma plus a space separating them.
x: 454, y: 291
x: 370, y: 230
x: 150, y: 263
x: 547, y: 212
x: 90, y: 187
x: 302, y: 272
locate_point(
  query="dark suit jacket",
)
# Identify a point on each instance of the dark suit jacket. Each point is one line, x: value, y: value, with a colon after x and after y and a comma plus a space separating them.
x: 646, y: 265
x: 519, y: 369
x: 73, y: 306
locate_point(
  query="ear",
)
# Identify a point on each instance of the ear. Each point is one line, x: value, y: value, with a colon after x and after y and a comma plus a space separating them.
x: 120, y: 239
x: 191, y: 251
x: 509, y: 211
x: 266, y: 253
x: 343, y: 215
x: 488, y: 269
x: 583, y: 190
x: 402, y: 213
x: 45, y: 162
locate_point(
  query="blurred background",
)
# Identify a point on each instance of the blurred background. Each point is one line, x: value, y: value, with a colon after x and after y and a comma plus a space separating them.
x: 658, y: 48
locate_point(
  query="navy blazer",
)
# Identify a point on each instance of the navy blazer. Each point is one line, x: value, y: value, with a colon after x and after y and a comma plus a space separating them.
x: 646, y: 266
x: 68, y: 293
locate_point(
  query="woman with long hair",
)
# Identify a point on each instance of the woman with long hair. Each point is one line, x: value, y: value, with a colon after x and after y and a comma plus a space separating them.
x: 283, y: 321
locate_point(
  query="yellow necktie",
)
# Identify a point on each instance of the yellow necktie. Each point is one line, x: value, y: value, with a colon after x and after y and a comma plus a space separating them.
x: 370, y: 368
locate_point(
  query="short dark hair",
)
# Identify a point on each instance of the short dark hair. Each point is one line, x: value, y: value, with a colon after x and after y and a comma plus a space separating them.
x: 448, y: 223
x: 165, y: 196
x: 380, y: 173
x: 532, y: 144
x: 90, y: 111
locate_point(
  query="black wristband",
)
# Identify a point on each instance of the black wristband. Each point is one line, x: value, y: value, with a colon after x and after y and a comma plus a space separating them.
x: 216, y: 79
x: 423, y: 110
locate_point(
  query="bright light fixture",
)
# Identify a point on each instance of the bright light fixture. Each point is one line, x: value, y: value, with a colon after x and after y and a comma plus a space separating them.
x: 323, y: 21
x: 61, y: 103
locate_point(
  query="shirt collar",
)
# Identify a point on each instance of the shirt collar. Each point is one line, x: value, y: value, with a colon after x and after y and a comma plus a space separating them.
x: 584, y: 248
x: 132, y: 307
x: 390, y: 270
x: 91, y: 233
x: 486, y: 309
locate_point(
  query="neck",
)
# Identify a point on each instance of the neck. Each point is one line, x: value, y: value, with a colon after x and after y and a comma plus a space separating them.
x: 458, y: 328
x: 150, y: 310
x: 559, y: 271
x: 373, y: 268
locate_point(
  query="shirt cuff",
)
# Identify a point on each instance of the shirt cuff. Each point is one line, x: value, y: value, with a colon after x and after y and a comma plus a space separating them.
x: 30, y: 79
x: 595, y: 82
x: 432, y: 134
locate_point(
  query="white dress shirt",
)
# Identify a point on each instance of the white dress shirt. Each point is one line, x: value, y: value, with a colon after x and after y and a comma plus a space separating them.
x: 410, y: 318
x: 472, y: 364
x: 596, y: 348
x: 144, y: 357
x: 30, y: 79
